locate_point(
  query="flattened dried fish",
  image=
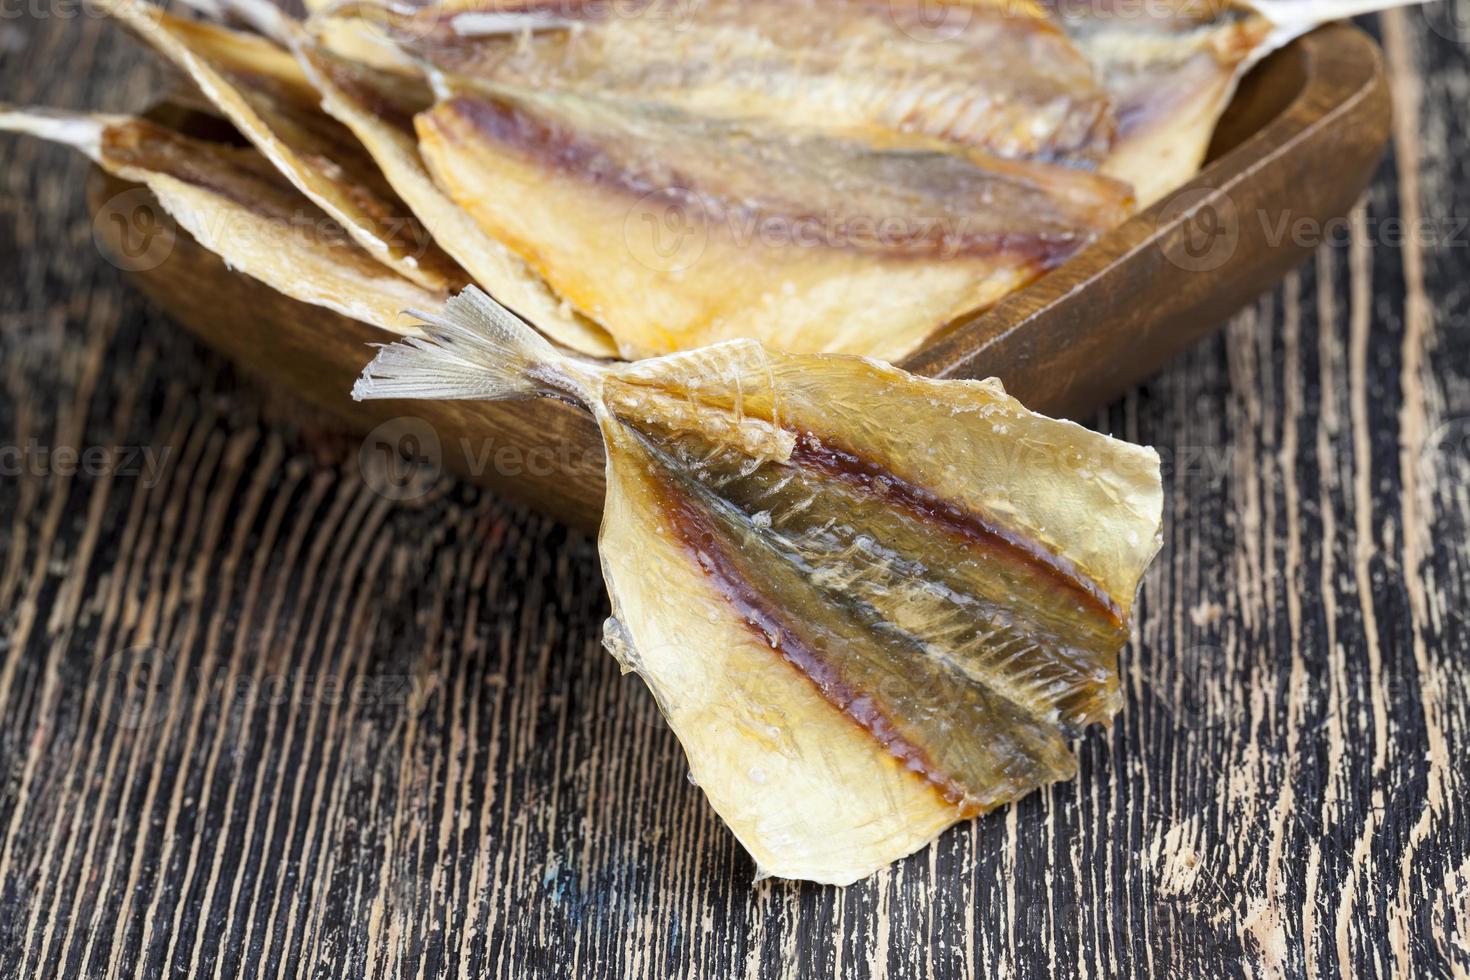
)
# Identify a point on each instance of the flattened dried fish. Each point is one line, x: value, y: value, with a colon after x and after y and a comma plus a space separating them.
x: 996, y: 75
x: 234, y: 203
x: 341, y: 31
x: 674, y: 230
x: 1171, y: 70
x: 1171, y: 67
x: 869, y: 604
x: 378, y: 107
x: 261, y: 90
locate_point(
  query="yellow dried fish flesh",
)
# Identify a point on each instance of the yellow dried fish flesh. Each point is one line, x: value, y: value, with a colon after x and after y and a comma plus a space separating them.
x: 996, y: 75
x: 673, y: 230
x: 869, y: 604
x: 1171, y: 67
x: 378, y: 106
x: 262, y: 91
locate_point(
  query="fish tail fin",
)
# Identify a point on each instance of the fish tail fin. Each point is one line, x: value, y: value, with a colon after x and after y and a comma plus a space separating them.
x: 79, y: 130
x: 475, y: 350
x: 263, y: 16
x: 486, y: 23
x: 1293, y: 18
x: 1322, y: 11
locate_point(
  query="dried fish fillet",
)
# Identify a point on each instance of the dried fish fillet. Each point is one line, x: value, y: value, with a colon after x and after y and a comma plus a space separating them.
x: 261, y: 90
x: 235, y: 204
x: 378, y: 107
x: 341, y: 31
x: 1171, y: 67
x: 1171, y: 70
x: 869, y: 604
x: 674, y: 230
x: 996, y: 75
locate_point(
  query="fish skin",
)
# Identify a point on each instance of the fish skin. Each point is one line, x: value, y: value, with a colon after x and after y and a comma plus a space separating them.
x: 1170, y: 69
x: 236, y: 205
x: 259, y: 87
x: 869, y: 604
x: 674, y: 231
x: 994, y: 75
x: 378, y: 106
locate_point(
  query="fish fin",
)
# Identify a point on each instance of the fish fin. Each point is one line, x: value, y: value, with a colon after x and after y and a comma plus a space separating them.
x: 483, y: 23
x: 266, y: 18
x: 1291, y: 19
x: 475, y: 350
x: 81, y: 131
x: 361, y: 107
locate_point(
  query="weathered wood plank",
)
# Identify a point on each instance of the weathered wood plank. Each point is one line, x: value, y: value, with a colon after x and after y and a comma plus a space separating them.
x: 378, y: 738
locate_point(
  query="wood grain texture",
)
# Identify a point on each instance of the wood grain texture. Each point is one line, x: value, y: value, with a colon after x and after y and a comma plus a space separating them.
x: 258, y: 719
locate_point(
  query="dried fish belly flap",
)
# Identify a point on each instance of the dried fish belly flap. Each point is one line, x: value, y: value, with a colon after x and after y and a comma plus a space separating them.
x: 234, y: 203
x: 1171, y: 68
x: 378, y: 107
x: 869, y: 604
x: 847, y: 675
x: 809, y: 794
x: 673, y: 231
x: 996, y: 75
x: 262, y: 91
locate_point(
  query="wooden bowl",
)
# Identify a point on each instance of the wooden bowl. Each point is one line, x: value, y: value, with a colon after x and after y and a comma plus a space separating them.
x: 1299, y: 142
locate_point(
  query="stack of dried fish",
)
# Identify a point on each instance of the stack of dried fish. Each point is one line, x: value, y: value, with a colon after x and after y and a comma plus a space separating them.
x: 869, y: 604
x: 651, y: 176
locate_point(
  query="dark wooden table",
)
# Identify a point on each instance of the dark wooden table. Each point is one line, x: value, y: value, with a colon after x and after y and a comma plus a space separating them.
x: 256, y: 719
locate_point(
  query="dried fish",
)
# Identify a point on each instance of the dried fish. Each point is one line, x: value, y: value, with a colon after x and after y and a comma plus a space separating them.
x: 996, y: 75
x: 378, y: 106
x: 262, y: 91
x: 235, y: 204
x: 869, y: 604
x: 1171, y: 67
x: 674, y: 230
x: 339, y: 28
